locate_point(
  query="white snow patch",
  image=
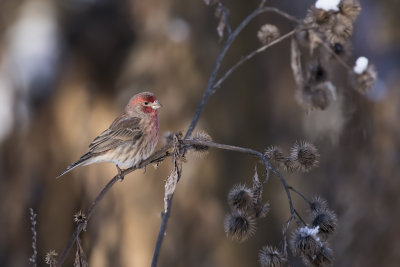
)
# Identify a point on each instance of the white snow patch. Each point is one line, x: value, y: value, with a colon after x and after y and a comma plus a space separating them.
x: 305, y: 231
x: 328, y: 5
x: 361, y: 65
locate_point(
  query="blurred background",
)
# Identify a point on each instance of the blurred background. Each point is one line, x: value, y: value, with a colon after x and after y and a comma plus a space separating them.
x: 67, y: 68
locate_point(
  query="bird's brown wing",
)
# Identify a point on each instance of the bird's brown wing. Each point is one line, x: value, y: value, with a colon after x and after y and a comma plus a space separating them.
x: 121, y: 131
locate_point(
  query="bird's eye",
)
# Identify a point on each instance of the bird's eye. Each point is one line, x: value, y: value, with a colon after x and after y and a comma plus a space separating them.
x: 146, y: 103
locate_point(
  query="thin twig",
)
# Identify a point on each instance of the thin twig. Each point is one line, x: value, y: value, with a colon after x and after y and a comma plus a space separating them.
x: 210, y: 86
x: 299, y: 217
x: 249, y: 56
x: 155, y: 157
x: 224, y: 13
x: 251, y: 152
x: 301, y: 195
x: 161, y: 233
x: 163, y: 153
x: 33, y: 258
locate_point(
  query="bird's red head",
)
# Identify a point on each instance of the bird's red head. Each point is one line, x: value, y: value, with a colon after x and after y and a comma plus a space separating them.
x: 145, y: 102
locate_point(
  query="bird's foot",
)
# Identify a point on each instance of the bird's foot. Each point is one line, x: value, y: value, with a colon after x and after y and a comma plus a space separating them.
x: 120, y: 176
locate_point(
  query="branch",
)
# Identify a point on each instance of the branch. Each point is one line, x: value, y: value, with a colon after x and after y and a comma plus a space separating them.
x: 208, y: 92
x: 33, y: 258
x: 301, y: 195
x: 251, y: 152
x: 184, y: 145
x: 163, y: 227
x: 210, y: 86
x: 249, y: 56
x: 156, y: 157
x: 163, y: 153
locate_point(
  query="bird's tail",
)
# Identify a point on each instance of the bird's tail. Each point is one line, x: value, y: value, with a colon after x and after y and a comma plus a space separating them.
x: 77, y: 163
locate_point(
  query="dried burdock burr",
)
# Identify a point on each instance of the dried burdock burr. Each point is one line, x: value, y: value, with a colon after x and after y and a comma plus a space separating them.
x: 304, y: 156
x: 239, y: 226
x: 268, y: 33
x: 271, y: 257
x: 240, y: 198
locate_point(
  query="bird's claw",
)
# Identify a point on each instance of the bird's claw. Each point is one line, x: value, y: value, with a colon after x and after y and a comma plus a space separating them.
x: 120, y: 176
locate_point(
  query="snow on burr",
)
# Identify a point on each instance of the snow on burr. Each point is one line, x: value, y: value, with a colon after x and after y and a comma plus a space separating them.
x: 361, y: 65
x: 328, y: 5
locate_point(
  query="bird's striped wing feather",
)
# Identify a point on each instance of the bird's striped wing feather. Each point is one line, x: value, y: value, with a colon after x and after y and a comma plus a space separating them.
x: 120, y: 132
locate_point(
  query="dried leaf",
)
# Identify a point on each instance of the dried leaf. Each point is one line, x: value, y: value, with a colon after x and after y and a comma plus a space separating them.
x: 170, y: 185
x: 173, y: 178
x: 221, y: 26
x: 80, y: 257
x: 296, y: 63
x: 256, y: 180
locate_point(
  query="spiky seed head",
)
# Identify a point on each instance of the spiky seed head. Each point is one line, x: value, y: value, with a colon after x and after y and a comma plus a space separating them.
x: 239, y: 226
x: 263, y: 210
x: 271, y: 257
x: 79, y: 218
x: 340, y: 30
x: 51, y: 258
x: 350, y: 9
x: 366, y: 80
x: 274, y: 153
x: 318, y: 204
x: 268, y: 33
x: 326, y: 220
x: 201, y: 150
x: 324, y: 257
x: 289, y: 165
x: 304, y: 156
x: 240, y: 198
x: 320, y: 16
x: 304, y: 241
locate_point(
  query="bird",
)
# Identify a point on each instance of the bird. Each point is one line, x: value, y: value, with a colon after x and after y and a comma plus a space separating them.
x: 130, y: 138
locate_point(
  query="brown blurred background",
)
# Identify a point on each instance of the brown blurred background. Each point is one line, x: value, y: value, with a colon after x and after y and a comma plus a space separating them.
x: 68, y: 67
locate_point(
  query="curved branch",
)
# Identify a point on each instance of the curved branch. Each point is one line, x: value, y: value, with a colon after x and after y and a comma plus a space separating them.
x: 210, y: 86
x: 251, y: 152
x: 161, y: 154
x: 249, y: 56
x: 158, y: 156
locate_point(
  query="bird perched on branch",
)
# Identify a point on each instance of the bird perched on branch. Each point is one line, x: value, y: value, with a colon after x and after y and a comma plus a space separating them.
x: 131, y: 137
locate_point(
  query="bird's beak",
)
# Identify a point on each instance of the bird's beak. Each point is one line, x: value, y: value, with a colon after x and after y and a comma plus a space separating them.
x: 156, y: 105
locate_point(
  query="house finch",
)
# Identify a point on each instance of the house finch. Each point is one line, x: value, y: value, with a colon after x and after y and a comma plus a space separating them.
x: 131, y: 137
